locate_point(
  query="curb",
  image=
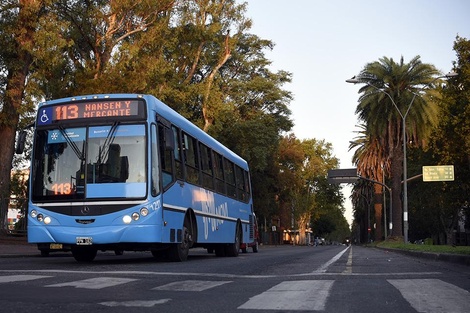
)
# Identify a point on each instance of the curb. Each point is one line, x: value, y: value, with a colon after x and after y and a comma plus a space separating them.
x: 446, y: 257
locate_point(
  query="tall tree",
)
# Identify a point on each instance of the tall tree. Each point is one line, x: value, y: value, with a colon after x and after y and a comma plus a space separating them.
x: 450, y: 143
x: 302, y: 167
x: 18, y: 23
x: 371, y: 163
x: 393, y: 90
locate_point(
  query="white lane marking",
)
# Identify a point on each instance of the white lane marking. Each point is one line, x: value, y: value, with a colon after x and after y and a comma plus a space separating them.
x: 324, y: 267
x: 292, y: 295
x: 95, y: 283
x: 433, y: 295
x: 191, y: 285
x: 348, y: 269
x: 135, y: 303
x: 15, y: 278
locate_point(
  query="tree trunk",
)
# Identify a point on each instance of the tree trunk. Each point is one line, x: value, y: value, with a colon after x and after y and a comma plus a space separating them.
x: 18, y: 68
x: 378, y: 207
x: 206, y: 112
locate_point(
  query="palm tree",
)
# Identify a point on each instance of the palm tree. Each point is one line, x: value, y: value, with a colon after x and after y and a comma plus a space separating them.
x: 371, y: 162
x: 394, y: 91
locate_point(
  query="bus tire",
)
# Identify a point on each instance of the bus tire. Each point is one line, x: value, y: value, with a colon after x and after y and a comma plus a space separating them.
x: 233, y: 249
x: 179, y: 252
x: 84, y: 254
x: 255, y: 247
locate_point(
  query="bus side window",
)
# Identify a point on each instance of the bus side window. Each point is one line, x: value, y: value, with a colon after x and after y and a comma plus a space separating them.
x: 219, y: 173
x: 230, y: 178
x: 240, y: 184
x: 190, y: 159
x: 246, y: 176
x: 165, y: 157
x: 155, y: 187
x: 206, y: 166
x: 177, y: 153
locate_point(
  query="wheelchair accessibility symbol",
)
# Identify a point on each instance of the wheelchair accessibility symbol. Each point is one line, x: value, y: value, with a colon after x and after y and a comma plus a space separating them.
x: 44, y: 116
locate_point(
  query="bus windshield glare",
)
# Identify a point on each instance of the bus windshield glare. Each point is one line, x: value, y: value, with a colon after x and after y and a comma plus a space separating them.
x: 90, y: 162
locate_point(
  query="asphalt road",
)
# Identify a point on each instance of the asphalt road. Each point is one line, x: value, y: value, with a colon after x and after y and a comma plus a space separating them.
x: 277, y: 279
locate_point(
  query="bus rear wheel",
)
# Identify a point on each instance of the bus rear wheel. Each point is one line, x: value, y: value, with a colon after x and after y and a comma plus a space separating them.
x: 234, y: 248
x: 84, y: 254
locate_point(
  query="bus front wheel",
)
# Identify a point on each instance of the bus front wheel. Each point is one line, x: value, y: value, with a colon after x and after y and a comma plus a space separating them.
x: 179, y: 252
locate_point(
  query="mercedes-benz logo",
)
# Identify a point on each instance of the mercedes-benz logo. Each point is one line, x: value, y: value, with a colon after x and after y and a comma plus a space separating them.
x: 85, y: 210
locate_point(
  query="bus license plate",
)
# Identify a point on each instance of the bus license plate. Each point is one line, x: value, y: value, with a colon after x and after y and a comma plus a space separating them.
x: 84, y: 241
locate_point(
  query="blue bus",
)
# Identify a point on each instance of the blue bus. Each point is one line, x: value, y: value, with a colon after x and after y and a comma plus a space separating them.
x: 125, y: 172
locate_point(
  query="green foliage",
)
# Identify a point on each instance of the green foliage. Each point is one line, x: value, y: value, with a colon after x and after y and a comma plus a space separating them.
x: 428, y: 241
x: 450, y: 145
x: 426, y: 248
x: 392, y: 92
x: 303, y: 191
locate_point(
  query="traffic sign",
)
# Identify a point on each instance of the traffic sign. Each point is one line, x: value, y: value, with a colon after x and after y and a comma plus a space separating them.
x: 343, y: 176
x: 438, y: 173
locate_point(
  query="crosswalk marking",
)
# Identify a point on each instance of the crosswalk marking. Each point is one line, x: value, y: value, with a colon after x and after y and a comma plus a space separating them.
x: 135, y: 303
x: 424, y: 295
x: 433, y: 295
x: 191, y: 285
x: 14, y: 278
x: 292, y: 295
x: 95, y: 283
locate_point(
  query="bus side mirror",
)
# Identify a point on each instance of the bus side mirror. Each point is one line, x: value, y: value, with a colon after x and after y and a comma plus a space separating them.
x: 169, y: 140
x: 20, y: 144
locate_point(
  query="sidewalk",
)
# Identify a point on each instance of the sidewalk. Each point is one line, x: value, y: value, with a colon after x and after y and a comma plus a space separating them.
x: 16, y: 246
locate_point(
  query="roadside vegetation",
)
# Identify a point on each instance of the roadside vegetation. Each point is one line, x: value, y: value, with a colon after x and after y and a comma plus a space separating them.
x: 391, y: 244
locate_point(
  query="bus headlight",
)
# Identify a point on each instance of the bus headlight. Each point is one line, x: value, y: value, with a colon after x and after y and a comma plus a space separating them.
x: 126, y: 219
x: 135, y: 216
x: 40, y: 217
x: 34, y: 213
x: 144, y: 212
x: 47, y: 220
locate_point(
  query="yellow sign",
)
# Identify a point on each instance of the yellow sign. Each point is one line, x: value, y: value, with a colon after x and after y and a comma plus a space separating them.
x: 438, y: 173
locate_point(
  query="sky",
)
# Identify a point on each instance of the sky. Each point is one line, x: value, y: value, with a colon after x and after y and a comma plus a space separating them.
x: 324, y: 42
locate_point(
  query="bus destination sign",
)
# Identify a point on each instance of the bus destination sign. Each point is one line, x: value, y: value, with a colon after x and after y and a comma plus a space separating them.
x: 93, y: 109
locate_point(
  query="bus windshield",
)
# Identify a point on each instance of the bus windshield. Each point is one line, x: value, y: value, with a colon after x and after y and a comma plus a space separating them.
x: 90, y: 163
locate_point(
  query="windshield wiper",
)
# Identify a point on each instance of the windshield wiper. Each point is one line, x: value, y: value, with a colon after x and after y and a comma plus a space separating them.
x: 80, y: 154
x: 103, y: 153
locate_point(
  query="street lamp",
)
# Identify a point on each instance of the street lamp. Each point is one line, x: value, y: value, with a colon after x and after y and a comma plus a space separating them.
x: 355, y: 80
